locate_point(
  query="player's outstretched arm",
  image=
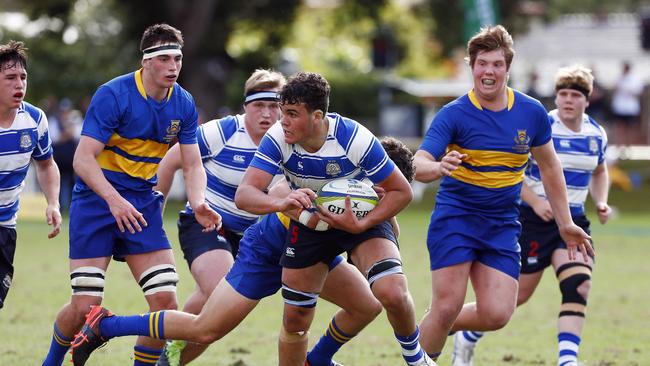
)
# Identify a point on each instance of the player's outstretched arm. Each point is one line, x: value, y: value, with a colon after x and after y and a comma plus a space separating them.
x: 599, y: 190
x: 49, y: 179
x: 195, y: 185
x: 251, y: 197
x: 555, y: 188
x: 168, y: 166
x: 427, y: 169
x: 86, y: 166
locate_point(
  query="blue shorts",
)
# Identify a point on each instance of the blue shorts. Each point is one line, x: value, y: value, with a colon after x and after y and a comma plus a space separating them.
x: 539, y: 239
x: 94, y: 232
x: 195, y: 242
x: 7, y: 252
x: 306, y: 247
x: 256, y: 272
x: 457, y: 236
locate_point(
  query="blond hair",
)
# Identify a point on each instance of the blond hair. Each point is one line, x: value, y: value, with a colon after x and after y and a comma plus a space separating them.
x: 489, y: 39
x: 575, y: 77
x: 264, y: 79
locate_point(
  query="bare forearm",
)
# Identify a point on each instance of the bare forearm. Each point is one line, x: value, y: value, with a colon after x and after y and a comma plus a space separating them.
x: 195, y: 184
x: 49, y: 179
x: 89, y: 171
x: 555, y: 188
x: 426, y: 170
x: 599, y: 186
x: 255, y: 201
x: 392, y: 203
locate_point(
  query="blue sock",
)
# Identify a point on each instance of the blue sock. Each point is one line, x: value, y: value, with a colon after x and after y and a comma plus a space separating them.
x: 328, y: 345
x: 58, y: 348
x: 568, y: 345
x: 148, y: 325
x: 471, y: 336
x: 145, y: 356
x: 411, y: 350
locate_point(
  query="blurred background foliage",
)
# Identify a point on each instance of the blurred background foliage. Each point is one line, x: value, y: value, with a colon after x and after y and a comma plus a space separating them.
x: 76, y: 45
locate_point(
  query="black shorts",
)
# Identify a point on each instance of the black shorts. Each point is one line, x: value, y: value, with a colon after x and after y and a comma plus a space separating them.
x: 305, y: 247
x: 7, y: 251
x: 539, y: 239
x: 195, y: 242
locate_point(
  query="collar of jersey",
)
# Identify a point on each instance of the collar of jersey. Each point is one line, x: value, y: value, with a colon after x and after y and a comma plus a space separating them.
x: 475, y: 102
x: 140, y: 85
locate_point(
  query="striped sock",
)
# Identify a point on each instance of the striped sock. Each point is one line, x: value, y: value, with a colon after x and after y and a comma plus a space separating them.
x: 568, y: 345
x: 145, y: 356
x: 58, y: 348
x: 411, y: 350
x: 328, y: 345
x: 472, y: 337
x: 148, y: 325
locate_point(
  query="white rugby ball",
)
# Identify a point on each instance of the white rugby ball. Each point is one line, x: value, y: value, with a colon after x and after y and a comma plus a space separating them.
x: 362, y: 197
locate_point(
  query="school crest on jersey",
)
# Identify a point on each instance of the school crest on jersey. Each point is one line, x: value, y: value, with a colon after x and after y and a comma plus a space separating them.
x: 521, y: 141
x: 173, y: 130
x: 26, y: 142
x: 593, y: 145
x: 332, y: 168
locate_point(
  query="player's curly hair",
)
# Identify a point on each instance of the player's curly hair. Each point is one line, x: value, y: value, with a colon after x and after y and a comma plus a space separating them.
x: 401, y: 155
x: 13, y: 53
x: 309, y: 88
x: 575, y: 77
x: 489, y: 39
x: 160, y: 33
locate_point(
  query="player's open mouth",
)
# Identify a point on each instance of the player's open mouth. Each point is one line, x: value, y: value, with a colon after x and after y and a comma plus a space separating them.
x: 488, y: 82
x: 19, y: 95
x: 171, y: 77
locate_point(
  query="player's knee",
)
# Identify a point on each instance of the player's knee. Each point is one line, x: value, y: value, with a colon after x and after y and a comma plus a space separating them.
x: 161, y: 278
x: 384, y: 268
x: 87, y: 281
x: 162, y: 301
x: 575, y: 283
x: 445, y: 312
x: 497, y: 318
x: 293, y: 336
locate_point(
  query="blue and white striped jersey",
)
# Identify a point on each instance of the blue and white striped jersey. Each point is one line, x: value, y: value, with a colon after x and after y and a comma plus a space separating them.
x: 579, y: 152
x: 350, y: 151
x: 227, y: 149
x: 27, y: 138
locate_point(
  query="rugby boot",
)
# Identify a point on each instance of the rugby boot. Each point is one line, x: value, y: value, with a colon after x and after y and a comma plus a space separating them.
x: 463, y: 351
x: 425, y: 361
x: 89, y: 338
x: 171, y: 355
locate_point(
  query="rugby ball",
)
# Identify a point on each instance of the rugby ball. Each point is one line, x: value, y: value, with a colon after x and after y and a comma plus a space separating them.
x: 362, y: 197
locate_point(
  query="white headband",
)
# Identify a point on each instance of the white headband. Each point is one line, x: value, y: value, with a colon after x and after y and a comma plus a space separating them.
x: 262, y: 95
x: 168, y: 49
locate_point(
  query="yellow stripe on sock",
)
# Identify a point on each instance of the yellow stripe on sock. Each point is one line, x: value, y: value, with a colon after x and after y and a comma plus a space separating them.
x: 61, y: 341
x: 151, y: 324
x: 156, y: 334
x: 336, y: 335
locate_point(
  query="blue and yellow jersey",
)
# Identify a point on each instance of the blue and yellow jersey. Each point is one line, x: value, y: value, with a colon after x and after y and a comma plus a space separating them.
x: 137, y: 130
x: 497, y: 145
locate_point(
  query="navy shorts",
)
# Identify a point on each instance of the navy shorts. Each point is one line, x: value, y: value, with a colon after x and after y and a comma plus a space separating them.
x: 195, y: 242
x: 305, y: 247
x: 7, y: 251
x: 539, y: 239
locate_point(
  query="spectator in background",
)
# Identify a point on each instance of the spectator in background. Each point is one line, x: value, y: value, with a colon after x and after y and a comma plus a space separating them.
x: 532, y: 92
x: 65, y: 127
x: 626, y: 107
x: 597, y: 107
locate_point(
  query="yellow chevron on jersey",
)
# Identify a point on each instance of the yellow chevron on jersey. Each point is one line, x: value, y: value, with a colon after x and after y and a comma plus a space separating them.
x: 472, y: 98
x: 491, y: 158
x: 112, y: 161
x: 488, y: 179
x: 284, y: 219
x: 139, y: 147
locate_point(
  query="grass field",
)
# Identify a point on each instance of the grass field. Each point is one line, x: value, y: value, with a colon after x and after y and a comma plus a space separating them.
x: 617, y: 331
